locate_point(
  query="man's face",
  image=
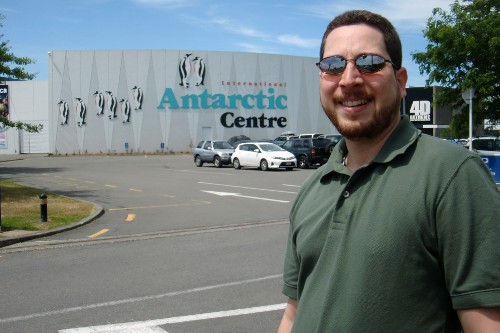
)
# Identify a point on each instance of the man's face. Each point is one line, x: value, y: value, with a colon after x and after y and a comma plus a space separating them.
x: 361, y: 105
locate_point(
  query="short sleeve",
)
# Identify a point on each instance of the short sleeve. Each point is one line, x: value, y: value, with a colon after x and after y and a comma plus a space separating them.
x: 291, y: 268
x: 468, y: 230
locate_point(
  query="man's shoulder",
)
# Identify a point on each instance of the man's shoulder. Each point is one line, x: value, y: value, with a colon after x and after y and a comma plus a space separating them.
x: 441, y: 150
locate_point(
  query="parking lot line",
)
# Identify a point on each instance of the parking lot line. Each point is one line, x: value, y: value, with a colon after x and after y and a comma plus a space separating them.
x: 135, y: 326
x: 225, y: 194
x: 248, y: 188
x: 196, y: 203
x: 138, y: 299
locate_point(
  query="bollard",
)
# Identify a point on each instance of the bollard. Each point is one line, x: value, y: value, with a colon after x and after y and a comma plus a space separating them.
x: 43, y: 207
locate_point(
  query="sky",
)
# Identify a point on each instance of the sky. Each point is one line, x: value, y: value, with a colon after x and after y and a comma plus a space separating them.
x: 288, y: 27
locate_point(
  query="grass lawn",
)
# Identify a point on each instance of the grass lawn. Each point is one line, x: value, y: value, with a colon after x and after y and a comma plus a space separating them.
x: 20, y: 208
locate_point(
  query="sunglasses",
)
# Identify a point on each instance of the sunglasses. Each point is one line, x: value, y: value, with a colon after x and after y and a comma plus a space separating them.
x: 365, y: 63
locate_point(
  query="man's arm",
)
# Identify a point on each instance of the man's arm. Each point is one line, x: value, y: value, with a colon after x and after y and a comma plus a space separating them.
x: 485, y: 320
x: 288, y: 317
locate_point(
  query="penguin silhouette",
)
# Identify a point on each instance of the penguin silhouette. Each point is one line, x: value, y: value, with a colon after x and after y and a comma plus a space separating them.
x: 111, y: 105
x: 63, y: 112
x: 81, y: 112
x: 184, y: 70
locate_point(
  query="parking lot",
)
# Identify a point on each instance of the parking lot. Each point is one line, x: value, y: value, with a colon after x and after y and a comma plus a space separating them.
x: 179, y: 248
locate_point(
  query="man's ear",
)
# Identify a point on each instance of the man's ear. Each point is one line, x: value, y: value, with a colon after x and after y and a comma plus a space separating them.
x: 402, y: 78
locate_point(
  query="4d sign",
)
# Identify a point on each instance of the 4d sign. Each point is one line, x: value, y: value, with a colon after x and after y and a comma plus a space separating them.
x: 420, y: 111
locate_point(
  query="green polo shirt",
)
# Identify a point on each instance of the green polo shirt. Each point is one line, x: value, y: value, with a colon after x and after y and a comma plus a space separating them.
x: 397, y: 246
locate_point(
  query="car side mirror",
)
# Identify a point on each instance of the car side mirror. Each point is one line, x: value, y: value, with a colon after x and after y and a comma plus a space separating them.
x: 256, y: 151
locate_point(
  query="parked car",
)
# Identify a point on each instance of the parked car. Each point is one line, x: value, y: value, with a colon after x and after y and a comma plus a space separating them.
x: 283, y: 137
x: 334, y: 139
x: 308, y: 151
x: 216, y: 152
x: 488, y: 144
x: 238, y: 138
x: 263, y: 155
x: 311, y: 135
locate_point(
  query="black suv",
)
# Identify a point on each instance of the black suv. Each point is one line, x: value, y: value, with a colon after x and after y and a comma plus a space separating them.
x: 334, y: 139
x: 308, y: 151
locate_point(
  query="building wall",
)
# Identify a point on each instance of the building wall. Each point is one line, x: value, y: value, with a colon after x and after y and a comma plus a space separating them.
x: 183, y: 99
x: 28, y: 102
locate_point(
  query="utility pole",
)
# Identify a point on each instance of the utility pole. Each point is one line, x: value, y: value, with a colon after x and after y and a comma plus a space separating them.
x: 468, y: 95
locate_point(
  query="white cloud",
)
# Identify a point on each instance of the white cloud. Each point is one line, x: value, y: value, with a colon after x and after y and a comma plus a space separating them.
x: 165, y: 3
x: 298, y: 41
x: 254, y: 48
x: 238, y: 29
x: 403, y: 14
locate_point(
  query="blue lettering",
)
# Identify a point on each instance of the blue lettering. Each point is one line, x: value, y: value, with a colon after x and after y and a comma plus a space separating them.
x: 168, y: 98
x: 281, y: 102
x: 232, y: 101
x: 206, y: 100
x: 194, y: 100
x: 271, y: 99
x: 245, y: 103
x: 219, y: 101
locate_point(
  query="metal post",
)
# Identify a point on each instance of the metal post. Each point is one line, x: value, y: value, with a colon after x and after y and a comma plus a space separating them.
x: 0, y: 209
x: 468, y: 95
x: 470, y: 123
x: 43, y: 207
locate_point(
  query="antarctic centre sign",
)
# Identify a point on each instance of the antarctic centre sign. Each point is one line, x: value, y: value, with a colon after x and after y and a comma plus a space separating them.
x: 264, y: 99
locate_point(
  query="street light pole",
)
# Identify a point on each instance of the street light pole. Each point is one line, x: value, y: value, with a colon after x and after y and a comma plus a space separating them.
x: 468, y: 96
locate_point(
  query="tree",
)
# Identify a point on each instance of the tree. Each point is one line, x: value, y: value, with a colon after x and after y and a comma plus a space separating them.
x: 464, y: 52
x: 11, y: 68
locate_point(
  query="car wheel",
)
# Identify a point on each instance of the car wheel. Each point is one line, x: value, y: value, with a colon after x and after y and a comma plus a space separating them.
x: 263, y: 165
x: 303, y: 162
x: 236, y: 163
x: 217, y: 162
x: 198, y: 161
x: 330, y: 149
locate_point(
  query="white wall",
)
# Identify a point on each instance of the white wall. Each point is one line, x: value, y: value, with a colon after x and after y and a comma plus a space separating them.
x: 28, y: 102
x: 79, y: 74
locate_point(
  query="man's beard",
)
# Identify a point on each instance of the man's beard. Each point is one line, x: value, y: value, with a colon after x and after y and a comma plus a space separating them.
x: 354, y: 130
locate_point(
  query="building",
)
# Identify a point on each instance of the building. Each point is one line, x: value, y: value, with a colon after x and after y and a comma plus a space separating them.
x: 157, y: 101
x: 154, y: 101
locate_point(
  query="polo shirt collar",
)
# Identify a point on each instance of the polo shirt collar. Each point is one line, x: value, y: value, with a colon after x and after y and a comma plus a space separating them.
x: 403, y: 136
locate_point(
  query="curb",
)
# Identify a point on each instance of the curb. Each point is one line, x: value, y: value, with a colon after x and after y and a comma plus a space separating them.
x: 6, y: 241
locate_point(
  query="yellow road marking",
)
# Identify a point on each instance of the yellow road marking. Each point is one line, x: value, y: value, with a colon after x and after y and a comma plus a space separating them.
x: 135, y: 190
x: 130, y: 218
x: 103, y: 231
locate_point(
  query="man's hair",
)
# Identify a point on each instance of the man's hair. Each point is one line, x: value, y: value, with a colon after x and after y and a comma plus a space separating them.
x: 391, y: 37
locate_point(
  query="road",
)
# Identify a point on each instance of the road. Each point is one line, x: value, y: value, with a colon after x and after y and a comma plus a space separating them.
x: 179, y: 248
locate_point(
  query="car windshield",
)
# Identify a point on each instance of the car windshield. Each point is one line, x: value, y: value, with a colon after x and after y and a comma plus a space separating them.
x: 222, y: 145
x: 270, y: 147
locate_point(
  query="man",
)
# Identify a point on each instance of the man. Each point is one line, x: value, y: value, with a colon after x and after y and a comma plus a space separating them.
x: 399, y: 231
